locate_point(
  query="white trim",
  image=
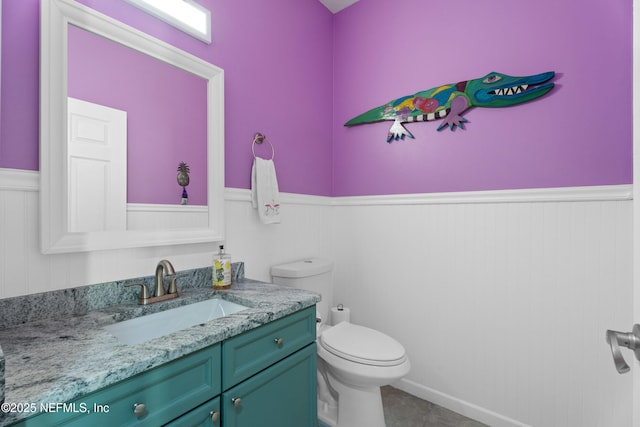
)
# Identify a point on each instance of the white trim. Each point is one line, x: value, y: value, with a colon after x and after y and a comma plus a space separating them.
x: 19, y: 180
x: 244, y: 195
x: 531, y: 195
x: 23, y: 180
x: 563, y: 194
x: 154, y: 207
x: 237, y: 194
x: 146, y: 216
x: 457, y: 405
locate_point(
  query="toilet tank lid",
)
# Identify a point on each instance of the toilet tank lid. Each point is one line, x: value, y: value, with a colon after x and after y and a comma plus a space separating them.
x: 303, y: 268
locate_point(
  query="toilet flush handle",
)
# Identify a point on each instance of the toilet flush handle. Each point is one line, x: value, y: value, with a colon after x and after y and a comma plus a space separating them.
x: 631, y: 340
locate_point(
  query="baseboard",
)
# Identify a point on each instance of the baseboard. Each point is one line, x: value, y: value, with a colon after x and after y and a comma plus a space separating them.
x: 457, y: 405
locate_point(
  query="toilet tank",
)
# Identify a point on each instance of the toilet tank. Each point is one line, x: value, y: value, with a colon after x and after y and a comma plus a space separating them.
x: 312, y: 274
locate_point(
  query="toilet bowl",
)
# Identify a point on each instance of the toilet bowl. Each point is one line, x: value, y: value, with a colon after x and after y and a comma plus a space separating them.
x: 353, y: 361
x: 358, y: 361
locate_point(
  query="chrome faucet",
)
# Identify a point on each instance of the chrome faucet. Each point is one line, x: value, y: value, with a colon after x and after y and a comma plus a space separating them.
x: 163, y: 269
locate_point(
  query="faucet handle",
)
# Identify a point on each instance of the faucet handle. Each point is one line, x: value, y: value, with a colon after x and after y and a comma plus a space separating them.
x: 173, y: 289
x: 144, y: 293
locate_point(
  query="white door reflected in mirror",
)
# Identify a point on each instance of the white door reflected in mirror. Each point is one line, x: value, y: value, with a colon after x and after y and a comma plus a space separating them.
x: 97, y: 144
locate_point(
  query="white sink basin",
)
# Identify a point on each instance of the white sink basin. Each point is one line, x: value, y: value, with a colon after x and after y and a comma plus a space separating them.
x: 144, y: 328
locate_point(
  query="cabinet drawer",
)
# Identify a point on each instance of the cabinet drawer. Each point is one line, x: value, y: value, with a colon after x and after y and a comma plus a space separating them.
x: 247, y: 354
x: 206, y: 415
x: 167, y: 392
x: 283, y: 395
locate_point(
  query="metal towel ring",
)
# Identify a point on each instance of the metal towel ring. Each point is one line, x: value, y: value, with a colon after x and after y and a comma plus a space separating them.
x: 259, y: 138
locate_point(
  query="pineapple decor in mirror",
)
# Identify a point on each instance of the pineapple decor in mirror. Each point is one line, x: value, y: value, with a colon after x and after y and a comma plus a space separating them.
x: 183, y: 181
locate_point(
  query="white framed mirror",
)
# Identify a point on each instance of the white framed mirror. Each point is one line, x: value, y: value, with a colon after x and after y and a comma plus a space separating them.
x: 60, y: 232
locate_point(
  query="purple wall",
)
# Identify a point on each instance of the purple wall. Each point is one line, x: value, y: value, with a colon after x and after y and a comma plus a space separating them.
x: 296, y: 73
x: 578, y: 135
x: 20, y: 84
x: 166, y: 115
x: 277, y: 58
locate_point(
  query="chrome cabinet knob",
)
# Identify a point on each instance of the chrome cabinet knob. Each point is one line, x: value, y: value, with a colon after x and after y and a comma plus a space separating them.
x: 139, y: 409
x: 236, y: 402
x: 215, y: 416
x: 279, y: 341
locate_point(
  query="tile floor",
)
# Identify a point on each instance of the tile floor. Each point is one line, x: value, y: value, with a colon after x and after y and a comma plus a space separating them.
x: 404, y: 410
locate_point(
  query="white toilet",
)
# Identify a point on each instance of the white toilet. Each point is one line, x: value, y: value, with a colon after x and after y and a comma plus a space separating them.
x: 353, y: 361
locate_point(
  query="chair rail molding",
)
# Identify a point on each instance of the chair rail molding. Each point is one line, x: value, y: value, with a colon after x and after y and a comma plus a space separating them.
x: 24, y: 180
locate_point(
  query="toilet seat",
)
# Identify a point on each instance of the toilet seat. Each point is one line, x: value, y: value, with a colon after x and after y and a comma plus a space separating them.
x: 362, y: 345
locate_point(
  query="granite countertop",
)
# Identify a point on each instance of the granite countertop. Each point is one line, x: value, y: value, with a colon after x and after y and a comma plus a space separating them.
x: 60, y: 359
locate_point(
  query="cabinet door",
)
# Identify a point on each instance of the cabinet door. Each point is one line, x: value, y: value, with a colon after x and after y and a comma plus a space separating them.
x: 206, y: 415
x: 166, y: 392
x: 249, y: 353
x: 283, y: 395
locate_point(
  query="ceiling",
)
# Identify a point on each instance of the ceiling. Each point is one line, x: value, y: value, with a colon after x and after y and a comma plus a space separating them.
x: 336, y: 6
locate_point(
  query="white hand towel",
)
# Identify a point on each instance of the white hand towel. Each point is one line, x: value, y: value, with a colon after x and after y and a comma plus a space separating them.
x: 264, y: 191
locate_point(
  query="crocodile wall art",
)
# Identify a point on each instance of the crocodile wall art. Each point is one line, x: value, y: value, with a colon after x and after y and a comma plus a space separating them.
x: 449, y: 101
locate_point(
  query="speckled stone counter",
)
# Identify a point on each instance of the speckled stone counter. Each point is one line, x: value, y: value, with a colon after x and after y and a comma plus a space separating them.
x: 62, y: 358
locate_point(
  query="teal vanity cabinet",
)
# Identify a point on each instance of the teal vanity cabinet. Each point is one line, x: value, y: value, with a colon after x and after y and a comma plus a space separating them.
x: 283, y: 395
x: 151, y: 398
x: 262, y: 377
x: 269, y: 374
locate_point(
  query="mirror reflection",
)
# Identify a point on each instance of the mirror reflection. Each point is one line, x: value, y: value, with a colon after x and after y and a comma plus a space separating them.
x: 132, y: 120
x: 174, y: 108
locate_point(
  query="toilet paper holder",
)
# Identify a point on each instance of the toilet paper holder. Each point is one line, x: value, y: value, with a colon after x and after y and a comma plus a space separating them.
x: 340, y: 313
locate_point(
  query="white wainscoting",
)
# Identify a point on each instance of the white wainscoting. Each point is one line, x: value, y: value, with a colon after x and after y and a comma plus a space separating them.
x: 500, y: 298
x: 145, y: 216
x: 305, y: 231
x: 24, y: 270
x: 502, y: 306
